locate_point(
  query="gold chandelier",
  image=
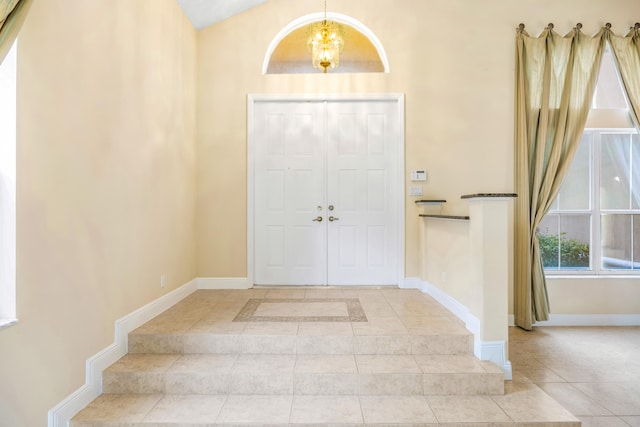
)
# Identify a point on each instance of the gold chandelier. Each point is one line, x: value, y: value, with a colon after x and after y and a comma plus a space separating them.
x: 325, y: 42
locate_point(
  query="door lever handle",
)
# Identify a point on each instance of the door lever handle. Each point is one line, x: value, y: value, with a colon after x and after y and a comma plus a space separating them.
x: 333, y: 218
x: 318, y: 219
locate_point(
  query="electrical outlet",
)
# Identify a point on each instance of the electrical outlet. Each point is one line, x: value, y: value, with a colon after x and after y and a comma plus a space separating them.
x: 444, y: 277
x: 163, y: 281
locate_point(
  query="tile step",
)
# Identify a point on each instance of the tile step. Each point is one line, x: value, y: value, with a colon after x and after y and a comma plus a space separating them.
x: 453, y: 344
x: 303, y: 375
x: 154, y: 410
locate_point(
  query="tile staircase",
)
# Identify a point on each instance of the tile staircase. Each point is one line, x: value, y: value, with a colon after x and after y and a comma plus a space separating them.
x: 409, y: 364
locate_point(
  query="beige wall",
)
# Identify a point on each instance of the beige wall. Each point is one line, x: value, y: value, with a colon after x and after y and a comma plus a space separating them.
x: 106, y: 186
x: 589, y: 295
x: 446, y: 250
x: 108, y: 194
x: 454, y: 60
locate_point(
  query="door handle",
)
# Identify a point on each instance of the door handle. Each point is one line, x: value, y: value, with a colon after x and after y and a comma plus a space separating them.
x: 318, y: 219
x: 333, y: 218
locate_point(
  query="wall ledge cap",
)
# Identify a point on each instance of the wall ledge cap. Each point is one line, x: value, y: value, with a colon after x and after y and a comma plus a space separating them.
x: 488, y: 195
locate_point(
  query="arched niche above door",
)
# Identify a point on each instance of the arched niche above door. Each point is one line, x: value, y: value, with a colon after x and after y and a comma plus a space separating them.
x: 362, y: 52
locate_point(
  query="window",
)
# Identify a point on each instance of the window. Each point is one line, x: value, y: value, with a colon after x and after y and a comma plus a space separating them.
x: 593, y: 226
x: 8, y: 189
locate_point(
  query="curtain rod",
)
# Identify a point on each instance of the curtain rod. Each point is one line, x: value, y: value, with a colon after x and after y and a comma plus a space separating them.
x: 579, y: 26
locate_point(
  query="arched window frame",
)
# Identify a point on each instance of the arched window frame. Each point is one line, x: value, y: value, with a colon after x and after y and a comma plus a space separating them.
x: 318, y: 16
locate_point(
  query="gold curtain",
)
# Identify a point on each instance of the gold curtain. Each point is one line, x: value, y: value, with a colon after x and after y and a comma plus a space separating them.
x: 555, y: 80
x: 12, y: 14
x: 626, y: 51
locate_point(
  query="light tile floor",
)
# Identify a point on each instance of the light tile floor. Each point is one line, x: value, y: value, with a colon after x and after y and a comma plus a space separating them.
x: 594, y: 372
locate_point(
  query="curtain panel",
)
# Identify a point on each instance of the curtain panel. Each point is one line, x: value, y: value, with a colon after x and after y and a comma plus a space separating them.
x: 12, y: 15
x: 626, y: 51
x: 555, y: 80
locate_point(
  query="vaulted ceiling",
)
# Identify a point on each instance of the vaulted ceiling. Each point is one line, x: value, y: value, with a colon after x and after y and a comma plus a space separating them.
x: 203, y: 13
x: 291, y: 55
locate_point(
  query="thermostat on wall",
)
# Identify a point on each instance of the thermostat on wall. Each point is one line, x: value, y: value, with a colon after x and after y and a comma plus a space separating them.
x: 419, y: 175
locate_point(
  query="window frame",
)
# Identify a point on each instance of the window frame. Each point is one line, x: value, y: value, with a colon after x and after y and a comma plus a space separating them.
x: 8, y: 286
x: 595, y: 213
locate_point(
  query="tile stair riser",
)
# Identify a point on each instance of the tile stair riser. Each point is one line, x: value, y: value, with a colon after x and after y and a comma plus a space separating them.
x: 442, y: 344
x: 156, y: 343
x: 133, y: 382
x: 325, y: 384
x: 196, y: 383
x: 402, y: 384
x: 463, y: 384
x: 249, y: 383
x: 292, y: 344
x: 309, y: 344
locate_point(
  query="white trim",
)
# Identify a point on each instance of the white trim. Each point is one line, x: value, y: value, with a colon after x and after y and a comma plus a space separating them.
x: 61, y: 414
x: 224, y: 283
x: 586, y: 320
x: 5, y: 323
x: 494, y: 351
x: 453, y: 305
x: 295, y: 97
x: 318, y: 16
x: 8, y: 78
x: 410, y: 283
x: 252, y: 99
x: 591, y: 320
x: 400, y: 153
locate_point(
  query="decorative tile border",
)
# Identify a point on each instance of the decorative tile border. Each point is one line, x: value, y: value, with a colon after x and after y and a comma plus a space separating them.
x: 354, y: 310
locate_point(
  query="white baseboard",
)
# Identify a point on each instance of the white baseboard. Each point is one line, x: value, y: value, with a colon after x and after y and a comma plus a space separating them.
x: 61, y: 414
x: 588, y: 320
x: 224, y: 283
x: 410, y: 283
x: 554, y: 319
x: 494, y: 351
x: 450, y: 303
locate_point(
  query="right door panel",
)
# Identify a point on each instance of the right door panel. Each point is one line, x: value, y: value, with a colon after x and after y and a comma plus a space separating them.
x: 361, y: 187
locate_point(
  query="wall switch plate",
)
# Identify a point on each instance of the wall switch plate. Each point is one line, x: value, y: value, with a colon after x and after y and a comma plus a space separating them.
x: 415, y: 190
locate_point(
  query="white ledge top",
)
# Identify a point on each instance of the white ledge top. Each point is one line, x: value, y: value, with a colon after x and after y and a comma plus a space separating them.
x: 430, y: 202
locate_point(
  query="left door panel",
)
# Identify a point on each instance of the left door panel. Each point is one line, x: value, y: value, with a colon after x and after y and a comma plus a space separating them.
x: 290, y: 247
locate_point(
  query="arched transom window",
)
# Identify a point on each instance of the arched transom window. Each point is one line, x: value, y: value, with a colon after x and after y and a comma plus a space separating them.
x: 362, y: 52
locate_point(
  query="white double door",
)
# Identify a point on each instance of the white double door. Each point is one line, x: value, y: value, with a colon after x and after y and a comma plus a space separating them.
x: 326, y: 197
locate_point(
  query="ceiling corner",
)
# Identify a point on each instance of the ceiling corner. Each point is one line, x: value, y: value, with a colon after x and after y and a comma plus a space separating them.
x: 203, y: 13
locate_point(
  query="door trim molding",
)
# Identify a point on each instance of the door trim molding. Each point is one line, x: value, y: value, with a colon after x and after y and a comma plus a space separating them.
x: 252, y: 99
